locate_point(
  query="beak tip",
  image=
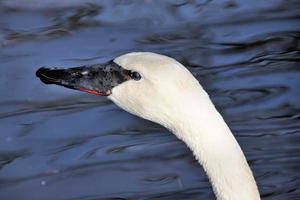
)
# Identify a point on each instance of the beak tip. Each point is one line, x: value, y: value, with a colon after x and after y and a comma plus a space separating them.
x: 39, y: 73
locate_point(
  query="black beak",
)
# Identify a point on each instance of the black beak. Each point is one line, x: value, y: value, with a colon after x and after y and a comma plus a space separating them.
x: 96, y: 79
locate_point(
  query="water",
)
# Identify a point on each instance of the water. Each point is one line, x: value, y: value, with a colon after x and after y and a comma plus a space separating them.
x: 62, y: 144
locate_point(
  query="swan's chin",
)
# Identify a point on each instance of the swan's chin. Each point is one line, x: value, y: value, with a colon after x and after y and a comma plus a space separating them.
x: 95, y: 92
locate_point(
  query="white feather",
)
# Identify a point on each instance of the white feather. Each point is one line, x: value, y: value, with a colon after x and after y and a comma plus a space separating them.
x: 168, y: 94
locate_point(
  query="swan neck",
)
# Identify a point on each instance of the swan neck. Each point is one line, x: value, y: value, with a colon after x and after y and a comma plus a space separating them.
x: 214, y: 146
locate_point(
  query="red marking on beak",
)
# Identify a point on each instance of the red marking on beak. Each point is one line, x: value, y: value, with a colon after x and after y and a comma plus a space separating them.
x: 93, y: 92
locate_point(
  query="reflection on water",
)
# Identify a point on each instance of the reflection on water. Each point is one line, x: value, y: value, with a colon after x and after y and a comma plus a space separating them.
x: 62, y: 144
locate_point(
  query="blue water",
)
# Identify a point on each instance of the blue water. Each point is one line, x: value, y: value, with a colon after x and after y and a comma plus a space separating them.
x: 61, y: 144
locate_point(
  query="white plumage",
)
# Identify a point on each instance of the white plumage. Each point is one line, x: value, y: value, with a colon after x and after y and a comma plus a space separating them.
x: 168, y: 94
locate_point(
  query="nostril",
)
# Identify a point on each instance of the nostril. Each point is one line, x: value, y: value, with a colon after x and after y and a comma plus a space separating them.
x: 85, y: 73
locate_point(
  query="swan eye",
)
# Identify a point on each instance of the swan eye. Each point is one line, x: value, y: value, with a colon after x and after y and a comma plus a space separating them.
x: 135, y: 76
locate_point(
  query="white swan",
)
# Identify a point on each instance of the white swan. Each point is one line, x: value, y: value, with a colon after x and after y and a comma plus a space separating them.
x: 160, y: 89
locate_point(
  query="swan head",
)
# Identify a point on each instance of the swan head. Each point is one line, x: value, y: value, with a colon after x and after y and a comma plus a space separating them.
x: 160, y: 94
x: 150, y: 85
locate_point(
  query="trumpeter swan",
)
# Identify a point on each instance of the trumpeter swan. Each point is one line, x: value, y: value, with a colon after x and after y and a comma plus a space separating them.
x: 160, y: 89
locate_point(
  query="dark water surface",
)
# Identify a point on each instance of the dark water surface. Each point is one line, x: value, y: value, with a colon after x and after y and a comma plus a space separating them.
x: 66, y: 145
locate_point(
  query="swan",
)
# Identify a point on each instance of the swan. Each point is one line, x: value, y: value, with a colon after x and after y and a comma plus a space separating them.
x: 160, y: 89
